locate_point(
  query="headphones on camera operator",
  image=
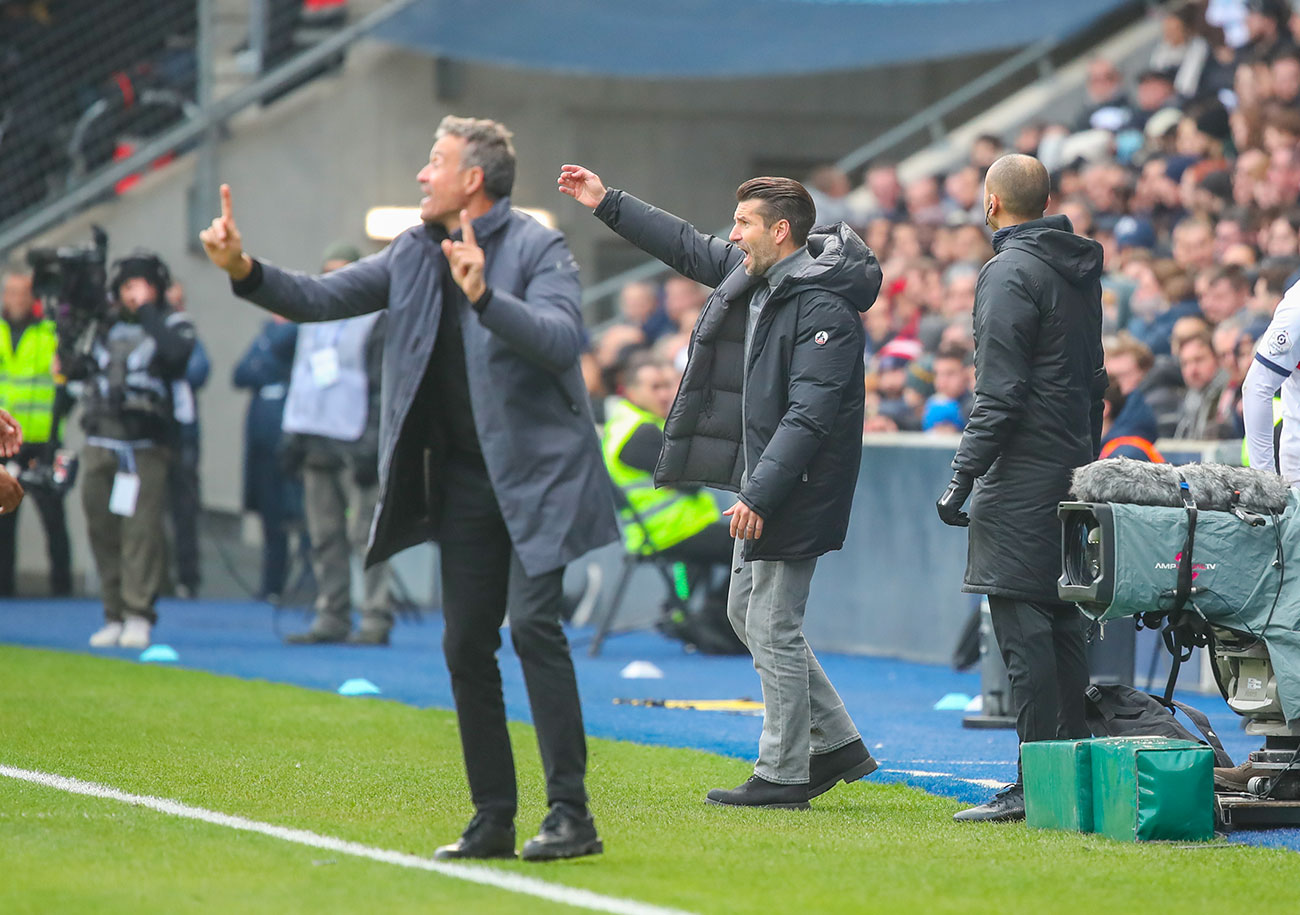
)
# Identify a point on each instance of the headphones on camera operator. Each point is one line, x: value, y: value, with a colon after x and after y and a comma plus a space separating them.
x: 144, y: 264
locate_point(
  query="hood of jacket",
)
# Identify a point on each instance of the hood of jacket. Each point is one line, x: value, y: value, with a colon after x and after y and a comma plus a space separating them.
x: 842, y: 264
x: 1052, y: 240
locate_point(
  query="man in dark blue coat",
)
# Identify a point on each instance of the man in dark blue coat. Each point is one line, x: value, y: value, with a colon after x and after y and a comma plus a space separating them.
x: 486, y: 444
x: 770, y: 407
x: 274, y: 495
x: 1039, y: 380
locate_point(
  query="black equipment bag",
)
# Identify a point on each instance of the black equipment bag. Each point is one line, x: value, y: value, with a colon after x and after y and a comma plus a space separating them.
x: 1114, y: 710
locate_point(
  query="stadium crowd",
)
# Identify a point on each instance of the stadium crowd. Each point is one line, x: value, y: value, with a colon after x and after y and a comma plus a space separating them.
x: 1187, y: 172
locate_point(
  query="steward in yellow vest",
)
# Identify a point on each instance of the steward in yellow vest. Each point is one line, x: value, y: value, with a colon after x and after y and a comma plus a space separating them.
x: 631, y: 442
x: 28, y: 390
x: 27, y: 385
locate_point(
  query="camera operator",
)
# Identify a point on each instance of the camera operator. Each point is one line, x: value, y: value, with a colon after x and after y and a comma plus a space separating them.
x: 28, y: 390
x: 128, y: 357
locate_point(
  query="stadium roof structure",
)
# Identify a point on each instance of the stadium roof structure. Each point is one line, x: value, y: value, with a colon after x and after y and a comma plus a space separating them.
x: 728, y: 38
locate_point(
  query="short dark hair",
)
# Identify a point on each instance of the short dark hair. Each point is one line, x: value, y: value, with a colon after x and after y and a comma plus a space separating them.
x: 781, y: 198
x: 1021, y: 183
x: 487, y: 146
x: 1233, y: 274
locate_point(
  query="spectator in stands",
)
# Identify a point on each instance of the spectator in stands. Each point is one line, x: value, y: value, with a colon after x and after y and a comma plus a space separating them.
x: 829, y: 187
x: 1267, y: 31
x: 639, y: 307
x: 881, y: 194
x: 129, y: 358
x: 888, y: 410
x: 1128, y: 365
x: 1193, y: 245
x: 331, y: 417
x: 962, y: 190
x: 1205, y: 384
x: 1228, y: 341
x: 1181, y: 52
x: 1124, y: 432
x: 1155, y: 91
x: 985, y: 149
x: 1226, y: 295
x: 30, y: 395
x: 1285, y: 73
x: 184, y: 501
x: 275, y: 496
x: 1108, y: 106
x: 925, y: 202
x: 948, y: 409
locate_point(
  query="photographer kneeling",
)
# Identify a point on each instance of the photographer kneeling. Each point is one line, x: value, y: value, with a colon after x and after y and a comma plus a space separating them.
x: 128, y: 358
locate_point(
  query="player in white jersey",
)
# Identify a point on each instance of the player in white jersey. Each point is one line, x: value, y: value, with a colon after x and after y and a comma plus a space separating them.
x: 1276, y: 365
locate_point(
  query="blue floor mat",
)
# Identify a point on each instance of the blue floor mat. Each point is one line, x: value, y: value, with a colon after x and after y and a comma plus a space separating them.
x: 891, y: 701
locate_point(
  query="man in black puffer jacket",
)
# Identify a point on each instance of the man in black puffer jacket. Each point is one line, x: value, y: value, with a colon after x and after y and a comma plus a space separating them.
x: 1039, y: 381
x: 770, y: 407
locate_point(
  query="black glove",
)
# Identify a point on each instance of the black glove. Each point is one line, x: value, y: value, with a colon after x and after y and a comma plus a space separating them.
x: 953, y: 498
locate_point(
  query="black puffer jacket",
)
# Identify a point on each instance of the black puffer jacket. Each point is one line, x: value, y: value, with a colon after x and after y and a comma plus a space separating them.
x: 1039, y: 381
x: 803, y: 400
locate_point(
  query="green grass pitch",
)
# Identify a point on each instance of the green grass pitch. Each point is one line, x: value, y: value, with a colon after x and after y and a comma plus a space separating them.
x: 390, y: 776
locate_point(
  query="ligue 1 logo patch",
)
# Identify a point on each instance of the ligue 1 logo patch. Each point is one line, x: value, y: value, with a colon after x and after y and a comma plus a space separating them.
x: 821, y: 337
x: 1279, y: 343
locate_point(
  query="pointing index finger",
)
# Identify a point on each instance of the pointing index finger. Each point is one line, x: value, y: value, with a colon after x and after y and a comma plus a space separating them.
x: 227, y: 208
x: 467, y: 228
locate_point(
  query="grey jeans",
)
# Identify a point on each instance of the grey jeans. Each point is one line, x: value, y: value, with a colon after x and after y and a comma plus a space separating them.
x: 802, y: 712
x: 338, y: 513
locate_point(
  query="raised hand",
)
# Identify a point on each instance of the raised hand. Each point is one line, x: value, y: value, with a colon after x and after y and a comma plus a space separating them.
x: 11, y: 435
x: 466, y: 260
x: 222, y: 242
x: 582, y: 185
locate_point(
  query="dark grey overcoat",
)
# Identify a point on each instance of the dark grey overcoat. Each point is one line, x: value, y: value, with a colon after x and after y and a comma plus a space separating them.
x: 521, y: 355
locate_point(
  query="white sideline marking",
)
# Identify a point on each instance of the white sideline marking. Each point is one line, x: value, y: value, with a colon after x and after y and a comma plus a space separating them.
x: 504, y: 880
x: 979, y: 782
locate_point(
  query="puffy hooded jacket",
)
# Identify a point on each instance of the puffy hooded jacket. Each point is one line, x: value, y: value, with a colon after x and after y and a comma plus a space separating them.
x: 801, y: 421
x: 1039, y: 381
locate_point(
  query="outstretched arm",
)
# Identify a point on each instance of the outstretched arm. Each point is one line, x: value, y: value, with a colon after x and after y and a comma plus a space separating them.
x: 356, y: 289
x: 704, y: 258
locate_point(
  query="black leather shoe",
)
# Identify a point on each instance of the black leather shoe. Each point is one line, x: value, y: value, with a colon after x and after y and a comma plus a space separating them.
x: 566, y: 833
x: 1007, y: 806
x: 312, y: 637
x: 847, y: 764
x: 484, y: 837
x: 759, y: 792
x: 368, y: 637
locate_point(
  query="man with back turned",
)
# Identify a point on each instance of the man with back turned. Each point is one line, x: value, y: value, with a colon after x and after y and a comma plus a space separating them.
x: 1039, y: 382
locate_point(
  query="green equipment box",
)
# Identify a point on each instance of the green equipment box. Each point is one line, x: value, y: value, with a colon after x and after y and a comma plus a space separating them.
x: 1058, y: 784
x: 1146, y: 789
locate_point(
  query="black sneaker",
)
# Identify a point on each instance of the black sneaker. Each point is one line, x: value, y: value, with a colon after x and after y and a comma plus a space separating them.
x: 847, y: 764
x: 566, y: 833
x: 1007, y: 806
x: 759, y: 792
x: 484, y: 837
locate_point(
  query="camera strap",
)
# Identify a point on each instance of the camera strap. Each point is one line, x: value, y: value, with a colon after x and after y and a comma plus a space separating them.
x: 1175, y: 637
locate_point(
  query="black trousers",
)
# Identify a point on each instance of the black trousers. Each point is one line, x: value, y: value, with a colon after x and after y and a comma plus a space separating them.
x: 482, y: 581
x: 183, y: 505
x: 49, y: 505
x: 1042, y: 644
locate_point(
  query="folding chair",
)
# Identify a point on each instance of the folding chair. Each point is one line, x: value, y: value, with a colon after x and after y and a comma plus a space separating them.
x: 631, y: 561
